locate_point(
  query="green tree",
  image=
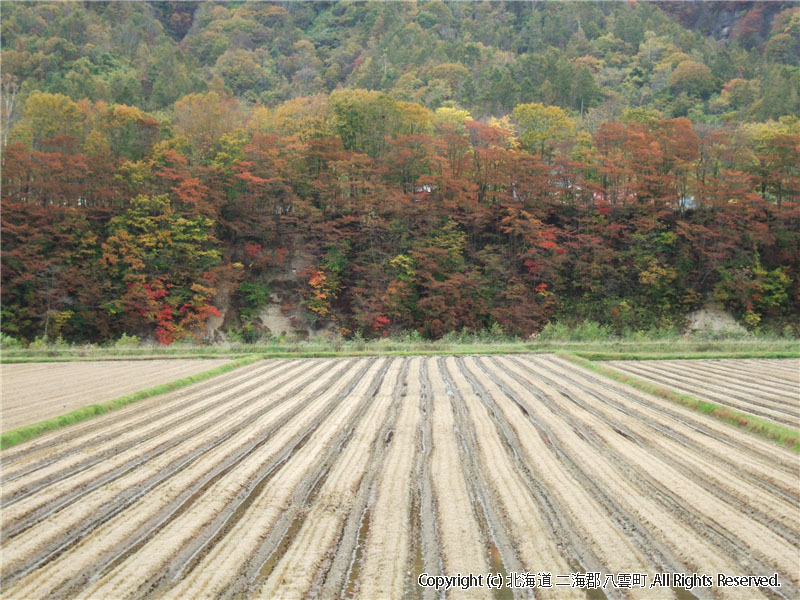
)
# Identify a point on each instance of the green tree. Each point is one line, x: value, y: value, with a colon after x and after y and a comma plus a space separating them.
x: 540, y: 126
x: 694, y: 78
x: 47, y: 116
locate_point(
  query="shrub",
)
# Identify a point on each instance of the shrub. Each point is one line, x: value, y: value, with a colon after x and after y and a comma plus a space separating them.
x: 127, y: 341
x: 6, y: 341
x: 554, y: 330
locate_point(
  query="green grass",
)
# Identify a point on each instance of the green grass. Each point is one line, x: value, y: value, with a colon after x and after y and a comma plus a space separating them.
x: 606, y: 349
x: 771, y: 431
x: 21, y: 434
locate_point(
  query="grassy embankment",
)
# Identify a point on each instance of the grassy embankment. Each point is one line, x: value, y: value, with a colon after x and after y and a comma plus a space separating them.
x: 631, y: 348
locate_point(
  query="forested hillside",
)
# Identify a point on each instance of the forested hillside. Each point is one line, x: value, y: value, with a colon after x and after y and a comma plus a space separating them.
x: 387, y: 167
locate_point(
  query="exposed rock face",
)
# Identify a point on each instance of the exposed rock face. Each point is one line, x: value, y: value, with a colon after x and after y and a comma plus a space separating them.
x: 222, y: 301
x: 721, y: 19
x: 274, y: 320
x: 713, y: 318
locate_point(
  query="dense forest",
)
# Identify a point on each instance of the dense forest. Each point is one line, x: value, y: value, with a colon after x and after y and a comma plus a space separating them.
x: 376, y: 168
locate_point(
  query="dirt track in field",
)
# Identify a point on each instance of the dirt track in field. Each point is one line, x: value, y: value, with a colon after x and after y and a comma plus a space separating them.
x: 33, y: 392
x: 350, y: 477
x: 767, y: 388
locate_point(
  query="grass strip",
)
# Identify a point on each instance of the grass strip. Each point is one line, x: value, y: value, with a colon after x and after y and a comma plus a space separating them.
x: 22, y: 434
x: 784, y: 436
x: 591, y: 351
x: 287, y: 354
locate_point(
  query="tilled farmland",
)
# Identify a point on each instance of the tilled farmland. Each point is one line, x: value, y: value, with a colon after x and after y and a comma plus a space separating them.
x: 767, y: 388
x: 352, y: 477
x: 33, y: 392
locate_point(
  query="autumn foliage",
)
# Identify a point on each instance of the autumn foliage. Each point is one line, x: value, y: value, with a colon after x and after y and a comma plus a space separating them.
x: 116, y: 222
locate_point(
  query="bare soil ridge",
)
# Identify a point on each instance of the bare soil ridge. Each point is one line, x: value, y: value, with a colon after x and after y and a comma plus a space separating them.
x: 33, y: 392
x: 766, y: 388
x: 350, y: 477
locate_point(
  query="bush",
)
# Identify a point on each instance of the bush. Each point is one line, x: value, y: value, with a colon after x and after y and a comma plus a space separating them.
x: 127, y: 341
x: 43, y: 344
x: 412, y: 337
x: 6, y: 341
x: 358, y: 341
x: 554, y: 330
x: 494, y: 333
x: 246, y: 334
x: 249, y: 333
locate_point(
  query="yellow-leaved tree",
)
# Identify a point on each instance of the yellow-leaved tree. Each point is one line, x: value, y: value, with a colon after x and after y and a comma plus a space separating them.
x: 541, y: 126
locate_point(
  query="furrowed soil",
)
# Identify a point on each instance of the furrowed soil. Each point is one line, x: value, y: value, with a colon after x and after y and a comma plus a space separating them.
x: 340, y: 478
x: 766, y: 388
x: 33, y: 392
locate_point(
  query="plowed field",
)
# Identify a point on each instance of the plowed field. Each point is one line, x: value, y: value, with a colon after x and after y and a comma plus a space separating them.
x: 351, y: 477
x: 33, y: 392
x: 767, y: 388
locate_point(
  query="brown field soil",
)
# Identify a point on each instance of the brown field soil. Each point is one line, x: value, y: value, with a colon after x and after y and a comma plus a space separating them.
x: 336, y: 478
x: 765, y: 387
x: 33, y: 392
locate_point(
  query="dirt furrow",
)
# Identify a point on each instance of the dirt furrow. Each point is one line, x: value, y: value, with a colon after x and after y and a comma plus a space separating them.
x: 99, y: 502
x: 606, y: 536
x: 42, y: 446
x: 301, y: 569
x: 764, y: 408
x: 670, y: 542
x: 779, y: 372
x: 730, y: 388
x: 85, y: 380
x: 64, y: 487
x: 85, y: 437
x: 70, y: 460
x: 25, y: 380
x: 212, y: 479
x: 279, y: 509
x: 563, y: 531
x: 725, y: 386
x: 754, y: 381
x: 349, y: 478
x: 426, y: 545
x: 522, y: 493
x: 767, y: 462
x: 770, y: 509
x: 463, y: 547
x: 387, y: 562
x: 178, y: 548
x: 784, y: 366
x: 775, y: 474
x: 51, y: 538
x: 484, y: 465
x: 758, y: 382
x: 342, y: 577
x: 29, y: 397
x: 723, y: 527
x: 540, y: 543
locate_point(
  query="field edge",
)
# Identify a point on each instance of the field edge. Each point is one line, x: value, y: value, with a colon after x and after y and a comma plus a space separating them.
x: 22, y: 434
x: 586, y: 350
